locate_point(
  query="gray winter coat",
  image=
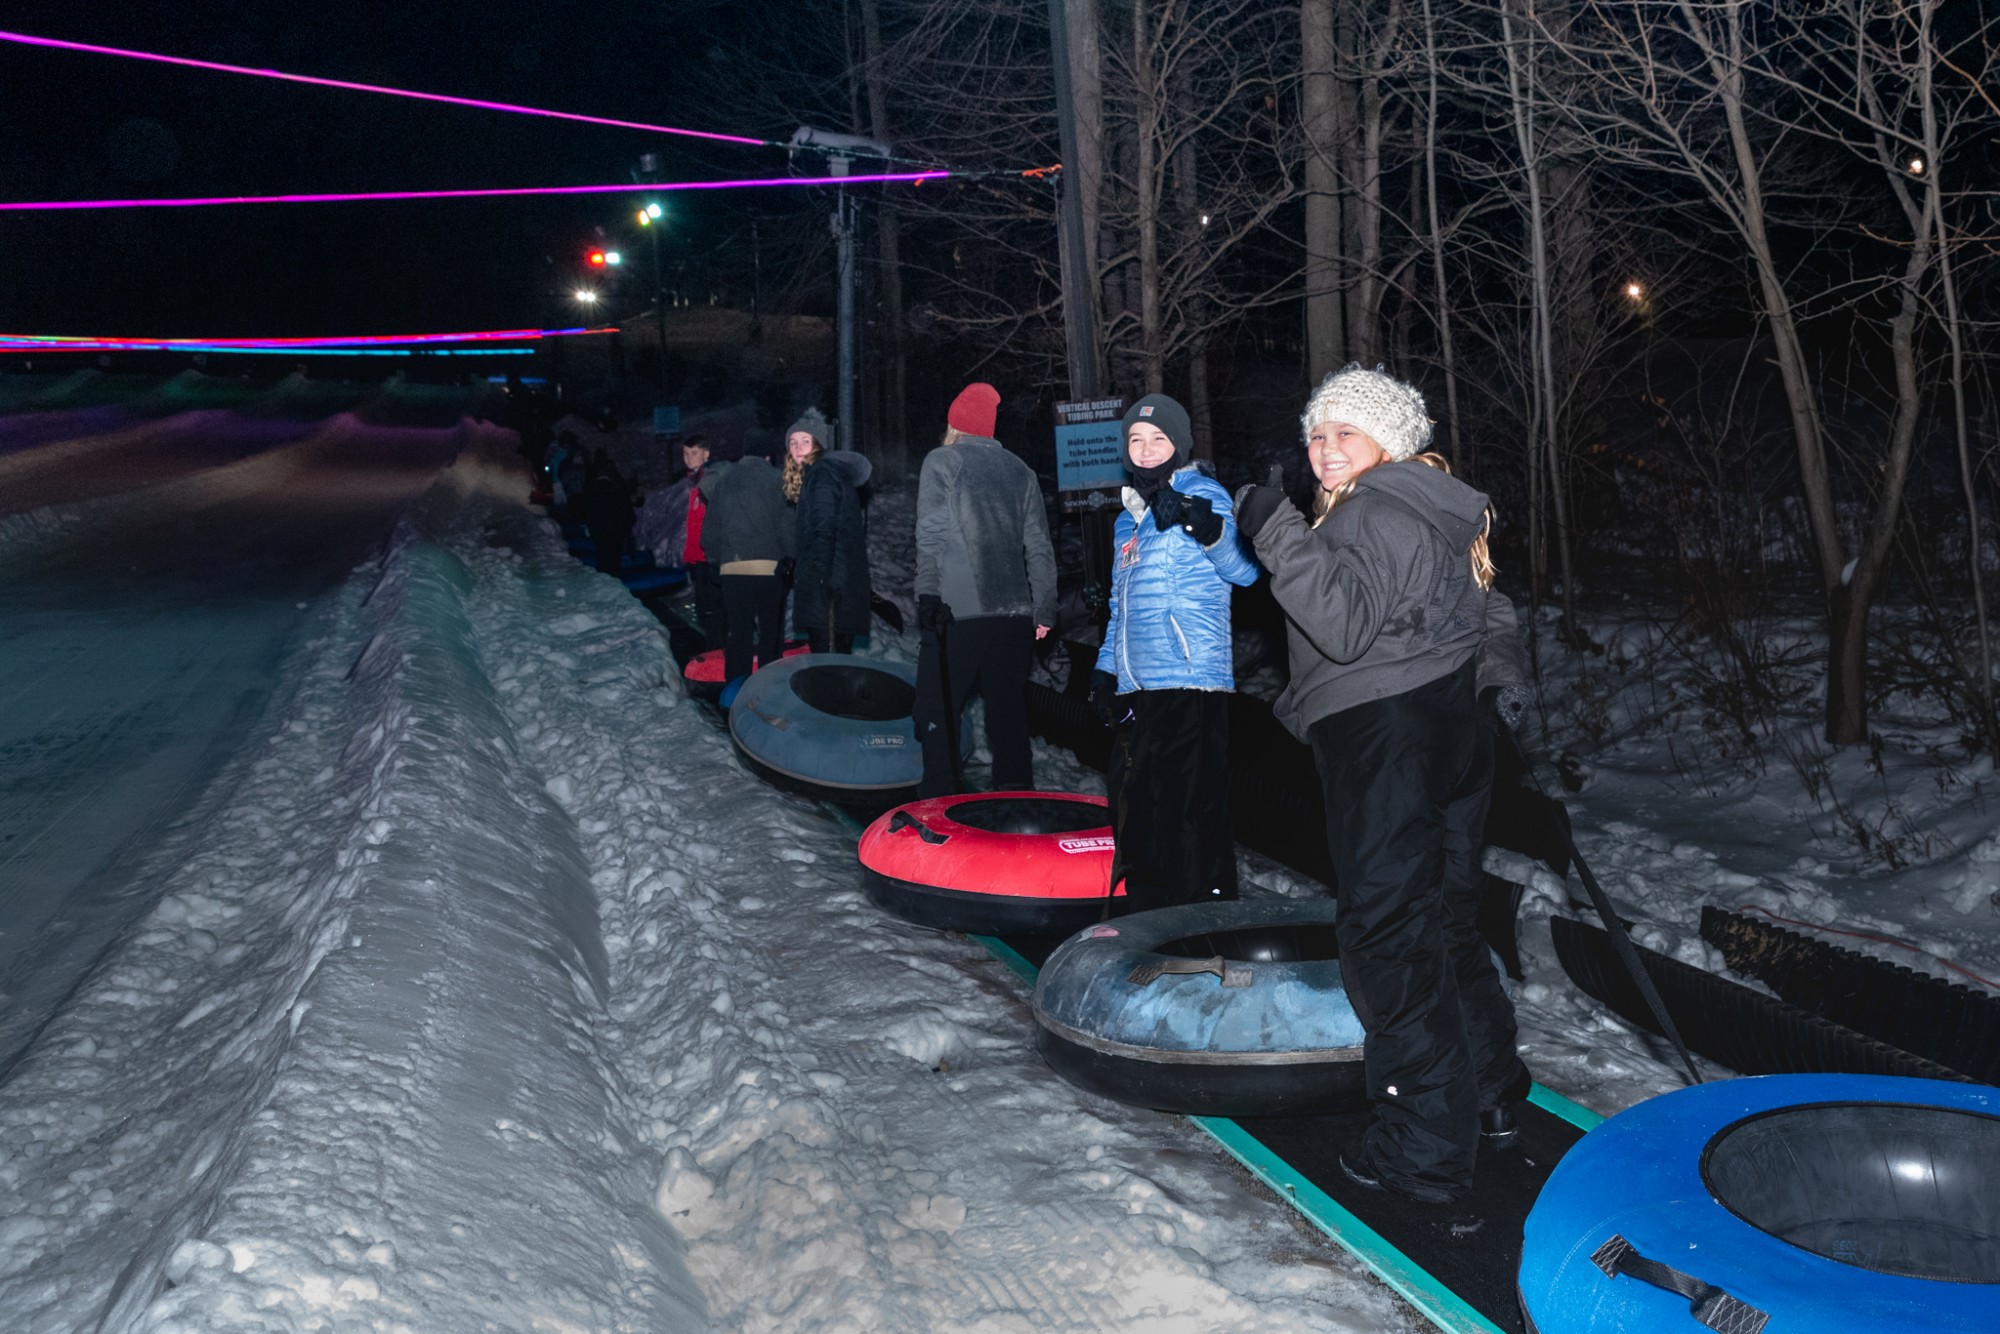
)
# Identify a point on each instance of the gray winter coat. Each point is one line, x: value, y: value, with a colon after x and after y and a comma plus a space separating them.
x: 983, y: 533
x: 747, y: 518
x: 1380, y: 599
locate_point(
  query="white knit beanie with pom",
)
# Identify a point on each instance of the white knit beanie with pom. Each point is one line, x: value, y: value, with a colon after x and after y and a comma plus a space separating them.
x: 1391, y: 412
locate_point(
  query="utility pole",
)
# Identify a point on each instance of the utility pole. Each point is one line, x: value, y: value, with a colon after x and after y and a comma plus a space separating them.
x: 843, y: 235
x: 840, y: 151
x: 1075, y: 248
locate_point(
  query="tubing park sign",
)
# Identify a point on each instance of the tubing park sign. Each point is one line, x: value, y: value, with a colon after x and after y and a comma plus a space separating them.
x: 1090, y: 454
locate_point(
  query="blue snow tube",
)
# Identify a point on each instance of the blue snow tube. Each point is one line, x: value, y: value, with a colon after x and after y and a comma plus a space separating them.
x: 831, y: 724
x: 1213, y: 1009
x: 1834, y: 1204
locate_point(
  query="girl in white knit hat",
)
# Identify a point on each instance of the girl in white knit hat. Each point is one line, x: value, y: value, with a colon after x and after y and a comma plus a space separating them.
x: 1388, y: 595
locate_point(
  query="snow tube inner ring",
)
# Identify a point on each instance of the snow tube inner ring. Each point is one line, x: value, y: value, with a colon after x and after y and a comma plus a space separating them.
x: 857, y: 693
x: 1915, y: 1181
x: 1260, y: 942
x: 1027, y: 815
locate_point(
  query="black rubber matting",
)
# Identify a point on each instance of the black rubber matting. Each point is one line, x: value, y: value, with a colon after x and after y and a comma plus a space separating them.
x: 1472, y: 1247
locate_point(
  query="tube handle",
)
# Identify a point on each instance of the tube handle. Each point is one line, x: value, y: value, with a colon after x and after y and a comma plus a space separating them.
x: 905, y: 820
x: 1145, y: 974
x: 1708, y: 1304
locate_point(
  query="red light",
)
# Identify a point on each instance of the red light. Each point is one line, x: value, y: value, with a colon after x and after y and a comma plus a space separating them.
x: 597, y: 259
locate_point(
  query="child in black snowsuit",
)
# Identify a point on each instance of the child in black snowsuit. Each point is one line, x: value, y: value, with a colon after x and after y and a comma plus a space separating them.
x: 1389, y: 601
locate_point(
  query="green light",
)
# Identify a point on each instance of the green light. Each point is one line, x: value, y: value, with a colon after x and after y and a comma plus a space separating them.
x: 654, y: 210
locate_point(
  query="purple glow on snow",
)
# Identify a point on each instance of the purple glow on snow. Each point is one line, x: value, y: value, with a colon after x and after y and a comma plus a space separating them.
x: 761, y: 183
x: 27, y: 39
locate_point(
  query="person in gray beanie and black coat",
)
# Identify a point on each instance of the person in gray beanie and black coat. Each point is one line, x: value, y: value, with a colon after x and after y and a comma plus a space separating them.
x: 830, y: 578
x: 747, y: 532
x: 986, y: 591
x: 1389, y: 598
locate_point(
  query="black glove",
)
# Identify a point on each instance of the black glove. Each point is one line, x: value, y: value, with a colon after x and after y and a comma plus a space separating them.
x: 1167, y: 504
x: 1507, y: 704
x: 1104, y: 701
x: 1104, y: 696
x: 1200, y: 521
x: 932, y: 615
x: 1256, y: 504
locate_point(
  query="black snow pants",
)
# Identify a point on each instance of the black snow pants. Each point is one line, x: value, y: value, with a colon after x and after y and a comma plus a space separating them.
x: 706, y: 581
x: 990, y: 654
x: 1407, y: 782
x: 1169, y: 786
x: 754, y: 605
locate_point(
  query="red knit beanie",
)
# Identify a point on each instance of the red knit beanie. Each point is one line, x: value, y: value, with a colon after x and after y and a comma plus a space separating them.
x: 973, y: 410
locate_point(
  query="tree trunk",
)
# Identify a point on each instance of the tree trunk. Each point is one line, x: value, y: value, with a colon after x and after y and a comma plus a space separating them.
x: 1442, y: 294
x: 1520, y: 73
x: 1187, y: 204
x: 892, y: 435
x: 1146, y: 116
x: 1322, y: 202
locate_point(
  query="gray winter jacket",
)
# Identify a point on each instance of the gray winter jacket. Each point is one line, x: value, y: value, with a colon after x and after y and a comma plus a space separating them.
x: 747, y: 516
x: 983, y: 533
x: 1380, y: 599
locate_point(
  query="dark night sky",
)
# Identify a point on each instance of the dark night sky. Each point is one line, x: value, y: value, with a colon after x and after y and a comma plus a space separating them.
x: 91, y: 126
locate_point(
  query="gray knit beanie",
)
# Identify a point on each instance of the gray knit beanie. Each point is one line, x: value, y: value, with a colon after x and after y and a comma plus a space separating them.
x: 814, y: 424
x: 1391, y: 412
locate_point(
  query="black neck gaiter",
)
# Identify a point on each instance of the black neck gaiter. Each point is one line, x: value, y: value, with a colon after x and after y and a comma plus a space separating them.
x: 1148, y: 481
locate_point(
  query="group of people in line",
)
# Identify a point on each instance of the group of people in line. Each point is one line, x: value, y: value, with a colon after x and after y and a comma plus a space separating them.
x: 745, y: 528
x: 1403, y: 660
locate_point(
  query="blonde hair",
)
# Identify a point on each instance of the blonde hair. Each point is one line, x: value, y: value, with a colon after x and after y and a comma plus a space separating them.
x: 795, y: 471
x: 1483, y: 568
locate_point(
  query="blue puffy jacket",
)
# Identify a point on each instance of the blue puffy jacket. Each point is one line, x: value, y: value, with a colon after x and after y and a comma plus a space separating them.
x: 1170, y: 597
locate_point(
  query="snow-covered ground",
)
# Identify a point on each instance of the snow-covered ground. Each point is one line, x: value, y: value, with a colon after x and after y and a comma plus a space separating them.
x: 483, y: 988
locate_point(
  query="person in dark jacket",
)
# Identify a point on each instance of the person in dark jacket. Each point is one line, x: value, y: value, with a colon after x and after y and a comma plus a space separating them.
x: 607, y: 510
x: 747, y: 532
x: 1389, y: 597
x: 986, y: 591
x: 1166, y: 671
x: 830, y: 576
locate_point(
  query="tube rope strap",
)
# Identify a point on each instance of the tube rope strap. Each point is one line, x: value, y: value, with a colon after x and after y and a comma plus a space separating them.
x: 1709, y: 1304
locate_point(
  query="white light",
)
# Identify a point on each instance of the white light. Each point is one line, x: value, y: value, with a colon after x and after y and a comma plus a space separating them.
x: 613, y: 257
x: 1916, y: 166
x: 585, y: 295
x: 1204, y: 219
x: 1635, y: 291
x: 1913, y: 1171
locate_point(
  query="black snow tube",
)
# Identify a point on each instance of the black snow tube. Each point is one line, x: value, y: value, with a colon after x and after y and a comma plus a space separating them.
x: 1213, y: 1009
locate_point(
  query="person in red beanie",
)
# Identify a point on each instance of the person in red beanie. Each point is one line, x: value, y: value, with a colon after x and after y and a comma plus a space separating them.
x: 986, y: 591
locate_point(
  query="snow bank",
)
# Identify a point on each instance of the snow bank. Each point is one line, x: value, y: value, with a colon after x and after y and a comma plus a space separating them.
x: 349, y: 1070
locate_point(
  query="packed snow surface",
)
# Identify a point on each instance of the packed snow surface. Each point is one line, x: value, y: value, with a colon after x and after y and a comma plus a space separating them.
x: 482, y: 987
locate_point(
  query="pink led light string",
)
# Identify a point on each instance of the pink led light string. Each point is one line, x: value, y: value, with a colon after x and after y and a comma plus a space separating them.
x: 110, y: 343
x: 29, y: 39
x: 204, y: 201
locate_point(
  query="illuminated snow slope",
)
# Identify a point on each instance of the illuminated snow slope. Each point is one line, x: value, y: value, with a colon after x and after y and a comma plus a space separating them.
x: 483, y: 988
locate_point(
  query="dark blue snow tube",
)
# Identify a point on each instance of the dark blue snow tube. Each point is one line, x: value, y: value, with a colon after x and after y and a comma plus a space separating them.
x: 1834, y: 1204
x: 1214, y: 1009
x: 832, y: 724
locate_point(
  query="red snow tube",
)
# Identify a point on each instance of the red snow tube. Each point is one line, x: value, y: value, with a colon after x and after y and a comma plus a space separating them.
x: 705, y: 669
x: 994, y: 864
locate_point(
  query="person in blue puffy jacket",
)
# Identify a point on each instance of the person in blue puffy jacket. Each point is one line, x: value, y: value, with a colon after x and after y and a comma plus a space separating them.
x: 1166, y: 670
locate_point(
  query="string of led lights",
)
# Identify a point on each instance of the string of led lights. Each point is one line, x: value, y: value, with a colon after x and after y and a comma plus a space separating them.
x: 446, y: 344
x: 87, y: 48
x: 498, y: 192
x: 477, y: 103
